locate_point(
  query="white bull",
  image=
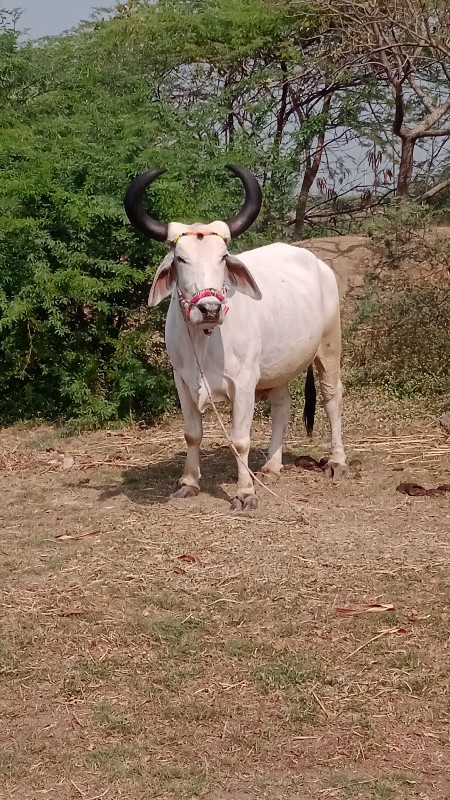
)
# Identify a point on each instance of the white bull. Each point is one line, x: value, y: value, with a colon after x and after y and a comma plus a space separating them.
x: 268, y: 316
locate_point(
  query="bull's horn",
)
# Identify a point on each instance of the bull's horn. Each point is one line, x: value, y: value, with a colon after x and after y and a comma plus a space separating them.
x: 135, y: 210
x: 252, y: 203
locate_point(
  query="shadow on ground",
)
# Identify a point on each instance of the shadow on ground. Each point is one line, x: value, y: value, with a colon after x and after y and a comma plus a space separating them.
x: 154, y: 484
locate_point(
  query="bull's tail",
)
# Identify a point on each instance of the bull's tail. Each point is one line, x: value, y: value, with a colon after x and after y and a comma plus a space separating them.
x: 309, y: 409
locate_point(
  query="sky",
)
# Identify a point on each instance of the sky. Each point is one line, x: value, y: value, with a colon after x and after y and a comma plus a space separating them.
x: 49, y: 17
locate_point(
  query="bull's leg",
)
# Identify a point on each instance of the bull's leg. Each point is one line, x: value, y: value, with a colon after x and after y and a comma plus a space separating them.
x: 188, y: 484
x: 327, y: 362
x: 243, y: 406
x: 280, y: 407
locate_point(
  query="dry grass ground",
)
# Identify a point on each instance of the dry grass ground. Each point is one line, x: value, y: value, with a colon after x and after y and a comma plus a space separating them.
x: 180, y: 651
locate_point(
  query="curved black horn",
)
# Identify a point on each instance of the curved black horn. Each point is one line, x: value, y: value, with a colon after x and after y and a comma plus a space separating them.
x: 135, y: 210
x: 252, y: 203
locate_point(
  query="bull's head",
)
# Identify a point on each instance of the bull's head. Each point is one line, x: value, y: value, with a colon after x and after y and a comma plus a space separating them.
x: 198, y: 263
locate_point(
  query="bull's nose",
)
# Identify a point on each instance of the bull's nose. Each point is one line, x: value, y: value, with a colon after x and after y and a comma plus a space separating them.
x: 209, y: 308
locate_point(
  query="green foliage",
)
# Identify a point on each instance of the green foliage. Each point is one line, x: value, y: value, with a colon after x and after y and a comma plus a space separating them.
x: 183, y: 84
x: 71, y: 270
x: 400, y: 342
x: 78, y: 118
x: 400, y: 231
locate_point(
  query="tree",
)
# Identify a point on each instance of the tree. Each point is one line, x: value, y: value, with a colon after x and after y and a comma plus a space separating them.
x: 189, y: 85
x: 265, y: 82
x: 406, y: 45
x: 76, y: 124
x: 72, y: 273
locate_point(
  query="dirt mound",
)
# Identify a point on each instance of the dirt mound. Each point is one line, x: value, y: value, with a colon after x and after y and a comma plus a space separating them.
x: 351, y: 258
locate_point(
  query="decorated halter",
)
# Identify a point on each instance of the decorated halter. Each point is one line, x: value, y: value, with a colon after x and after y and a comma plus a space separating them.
x: 186, y: 305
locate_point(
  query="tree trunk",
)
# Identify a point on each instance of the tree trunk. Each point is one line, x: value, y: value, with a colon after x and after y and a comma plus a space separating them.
x: 406, y: 166
x: 311, y: 173
x: 281, y: 115
x: 302, y: 200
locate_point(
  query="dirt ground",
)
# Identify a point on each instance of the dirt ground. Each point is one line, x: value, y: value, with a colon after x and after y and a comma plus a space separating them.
x: 160, y: 649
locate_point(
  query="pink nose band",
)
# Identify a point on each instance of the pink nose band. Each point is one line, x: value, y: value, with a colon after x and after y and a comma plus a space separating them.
x: 207, y: 293
x: 186, y: 305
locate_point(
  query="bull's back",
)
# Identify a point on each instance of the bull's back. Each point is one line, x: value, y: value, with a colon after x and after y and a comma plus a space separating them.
x: 291, y: 315
x: 288, y: 275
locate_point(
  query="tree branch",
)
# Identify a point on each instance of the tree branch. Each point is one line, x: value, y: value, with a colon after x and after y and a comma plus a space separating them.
x: 430, y: 120
x: 433, y: 132
x: 399, y: 115
x: 430, y: 193
x: 420, y: 94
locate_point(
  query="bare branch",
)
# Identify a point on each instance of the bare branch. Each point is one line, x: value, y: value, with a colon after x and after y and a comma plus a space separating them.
x: 420, y: 94
x: 431, y: 119
x: 433, y: 132
x: 430, y: 193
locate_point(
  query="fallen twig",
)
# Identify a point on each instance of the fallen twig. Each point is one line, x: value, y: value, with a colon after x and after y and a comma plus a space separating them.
x: 64, y: 536
x: 384, y: 632
x: 319, y: 703
x: 376, y: 607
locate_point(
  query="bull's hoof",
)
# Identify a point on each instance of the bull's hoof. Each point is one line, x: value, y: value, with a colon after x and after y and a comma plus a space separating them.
x: 268, y: 478
x: 335, y: 471
x: 181, y: 491
x: 248, y: 502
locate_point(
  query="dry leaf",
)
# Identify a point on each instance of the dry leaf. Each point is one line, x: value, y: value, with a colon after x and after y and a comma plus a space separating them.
x: 412, y: 489
x: 179, y: 571
x: 68, y: 462
x: 415, y: 490
x: 188, y: 558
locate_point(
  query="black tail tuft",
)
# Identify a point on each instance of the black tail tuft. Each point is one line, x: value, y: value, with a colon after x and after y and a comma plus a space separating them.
x: 309, y: 410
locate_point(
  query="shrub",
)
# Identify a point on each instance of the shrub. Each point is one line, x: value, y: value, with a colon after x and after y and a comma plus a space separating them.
x: 400, y: 338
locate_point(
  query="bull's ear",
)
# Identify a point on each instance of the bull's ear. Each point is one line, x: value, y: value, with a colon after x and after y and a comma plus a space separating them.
x: 241, y: 278
x: 163, y: 282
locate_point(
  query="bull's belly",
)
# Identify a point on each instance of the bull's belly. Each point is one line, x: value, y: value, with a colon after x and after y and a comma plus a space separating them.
x: 279, y: 380
x: 279, y: 368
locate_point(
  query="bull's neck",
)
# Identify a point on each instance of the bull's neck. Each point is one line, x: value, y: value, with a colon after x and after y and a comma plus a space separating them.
x: 200, y: 339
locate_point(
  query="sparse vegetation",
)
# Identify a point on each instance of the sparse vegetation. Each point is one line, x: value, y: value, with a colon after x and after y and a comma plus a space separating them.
x: 181, y: 652
x: 399, y: 339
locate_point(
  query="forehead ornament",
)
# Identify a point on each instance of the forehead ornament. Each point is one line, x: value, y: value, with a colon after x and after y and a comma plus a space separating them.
x: 198, y: 234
